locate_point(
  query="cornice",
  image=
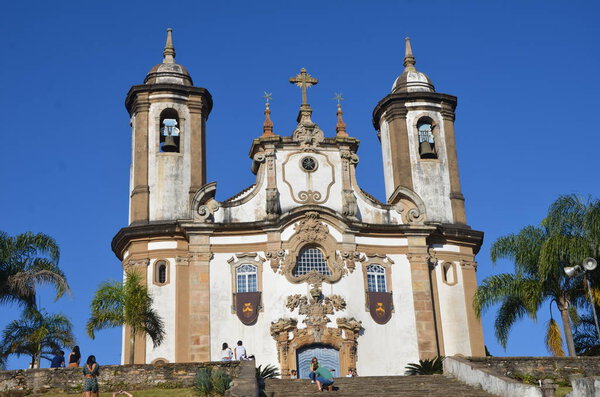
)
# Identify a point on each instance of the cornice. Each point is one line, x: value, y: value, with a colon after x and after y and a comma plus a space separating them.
x: 401, y: 98
x: 134, y: 91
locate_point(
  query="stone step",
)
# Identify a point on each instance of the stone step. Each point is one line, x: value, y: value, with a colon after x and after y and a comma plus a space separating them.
x: 377, y: 386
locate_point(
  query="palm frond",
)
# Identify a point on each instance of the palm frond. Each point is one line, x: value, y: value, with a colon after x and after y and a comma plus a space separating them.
x: 554, y: 340
x: 511, y: 310
x: 426, y: 367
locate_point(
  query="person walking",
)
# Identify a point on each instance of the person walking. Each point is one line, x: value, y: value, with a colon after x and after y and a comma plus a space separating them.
x: 324, y: 379
x: 314, y: 364
x: 74, y: 357
x: 58, y: 360
x: 240, y: 351
x: 226, y: 353
x: 91, y: 370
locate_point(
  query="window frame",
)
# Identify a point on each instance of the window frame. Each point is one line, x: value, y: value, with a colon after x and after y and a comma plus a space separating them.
x: 385, y: 262
x: 305, y: 248
x: 156, y: 272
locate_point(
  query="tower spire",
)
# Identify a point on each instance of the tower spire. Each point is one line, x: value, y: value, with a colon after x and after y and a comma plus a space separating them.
x: 340, y: 128
x: 169, y: 51
x: 409, y: 59
x: 268, y: 124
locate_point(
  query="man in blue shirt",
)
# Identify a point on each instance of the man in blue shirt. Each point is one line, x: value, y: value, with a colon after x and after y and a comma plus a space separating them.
x: 324, y: 379
x: 58, y: 360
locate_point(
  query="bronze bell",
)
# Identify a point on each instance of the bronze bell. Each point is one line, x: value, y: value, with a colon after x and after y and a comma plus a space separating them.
x: 169, y: 144
x: 426, y: 150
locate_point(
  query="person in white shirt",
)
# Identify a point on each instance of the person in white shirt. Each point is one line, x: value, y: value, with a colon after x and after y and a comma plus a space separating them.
x: 226, y: 353
x: 240, y: 351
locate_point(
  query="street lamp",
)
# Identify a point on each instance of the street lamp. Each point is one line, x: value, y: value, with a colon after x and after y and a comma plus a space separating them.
x: 588, y: 265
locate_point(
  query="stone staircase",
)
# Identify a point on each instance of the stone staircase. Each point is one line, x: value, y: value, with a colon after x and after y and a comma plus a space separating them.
x: 376, y: 386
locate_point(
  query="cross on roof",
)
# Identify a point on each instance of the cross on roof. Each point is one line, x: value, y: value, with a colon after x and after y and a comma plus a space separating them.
x: 303, y: 80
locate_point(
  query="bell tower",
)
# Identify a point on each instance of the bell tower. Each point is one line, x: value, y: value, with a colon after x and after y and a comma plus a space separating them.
x: 168, y: 121
x: 416, y: 130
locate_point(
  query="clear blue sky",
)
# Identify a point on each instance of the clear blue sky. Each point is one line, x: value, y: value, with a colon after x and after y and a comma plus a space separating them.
x: 525, y: 73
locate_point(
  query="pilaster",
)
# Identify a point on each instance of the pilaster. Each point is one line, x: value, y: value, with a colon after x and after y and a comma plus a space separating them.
x: 469, y: 269
x: 198, y: 144
x: 140, y: 192
x: 199, y: 297
x: 457, y: 199
x: 399, y: 146
x: 422, y: 297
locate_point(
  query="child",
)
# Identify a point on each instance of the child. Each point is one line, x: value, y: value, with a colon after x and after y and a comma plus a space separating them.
x: 294, y: 374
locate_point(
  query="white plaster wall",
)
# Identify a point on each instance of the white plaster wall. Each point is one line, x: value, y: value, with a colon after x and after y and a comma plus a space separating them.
x: 251, y: 211
x: 169, y: 174
x: 370, y: 214
x: 329, y: 171
x: 157, y: 245
x: 390, y: 242
x: 164, y: 304
x: 399, y: 345
x: 431, y: 178
x: 453, y: 314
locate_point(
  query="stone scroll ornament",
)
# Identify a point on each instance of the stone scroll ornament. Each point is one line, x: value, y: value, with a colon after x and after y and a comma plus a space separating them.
x: 380, y: 306
x: 247, y: 306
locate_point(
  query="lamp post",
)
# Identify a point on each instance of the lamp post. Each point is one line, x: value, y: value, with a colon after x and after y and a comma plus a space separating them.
x: 588, y: 265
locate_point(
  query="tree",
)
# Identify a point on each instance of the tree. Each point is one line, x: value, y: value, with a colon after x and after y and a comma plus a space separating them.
x: 126, y: 303
x: 26, y: 261
x: 426, y: 367
x: 568, y: 234
x: 36, y: 334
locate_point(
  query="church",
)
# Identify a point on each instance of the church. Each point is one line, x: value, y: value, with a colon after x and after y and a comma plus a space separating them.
x: 303, y: 262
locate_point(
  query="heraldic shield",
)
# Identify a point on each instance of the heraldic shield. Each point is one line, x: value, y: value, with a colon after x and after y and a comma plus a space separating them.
x: 380, y: 306
x: 247, y: 305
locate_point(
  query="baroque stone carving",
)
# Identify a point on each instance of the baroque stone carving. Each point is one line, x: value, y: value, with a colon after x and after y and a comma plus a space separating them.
x: 133, y: 263
x: 308, y: 134
x: 349, y: 205
x: 310, y: 231
x: 204, y: 204
x: 316, y: 307
x: 275, y: 258
x: 272, y: 202
x: 409, y: 205
x: 282, y: 325
x: 468, y: 264
x: 350, y: 258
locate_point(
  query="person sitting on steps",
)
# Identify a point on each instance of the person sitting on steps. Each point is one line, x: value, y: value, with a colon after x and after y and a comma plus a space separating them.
x: 324, y: 379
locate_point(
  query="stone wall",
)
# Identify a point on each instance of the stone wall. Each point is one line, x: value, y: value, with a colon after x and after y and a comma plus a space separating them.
x: 112, y: 377
x: 560, y: 369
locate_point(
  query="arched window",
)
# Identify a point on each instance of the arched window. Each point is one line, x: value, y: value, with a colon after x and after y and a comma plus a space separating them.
x: 161, y: 272
x: 426, y: 139
x: 449, y: 273
x: 246, y: 278
x: 311, y: 258
x: 169, y: 131
x: 376, y: 278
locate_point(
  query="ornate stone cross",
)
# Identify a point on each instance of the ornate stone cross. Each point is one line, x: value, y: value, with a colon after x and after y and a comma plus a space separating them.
x: 303, y: 80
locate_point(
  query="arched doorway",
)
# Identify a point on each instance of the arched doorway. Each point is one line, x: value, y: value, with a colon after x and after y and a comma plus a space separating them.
x: 328, y: 357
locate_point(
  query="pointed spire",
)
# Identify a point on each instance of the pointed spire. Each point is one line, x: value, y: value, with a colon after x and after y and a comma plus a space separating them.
x: 268, y: 124
x: 169, y: 51
x: 340, y: 128
x: 409, y: 59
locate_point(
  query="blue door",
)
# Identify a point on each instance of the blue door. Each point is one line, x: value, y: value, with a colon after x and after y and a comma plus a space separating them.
x: 328, y: 357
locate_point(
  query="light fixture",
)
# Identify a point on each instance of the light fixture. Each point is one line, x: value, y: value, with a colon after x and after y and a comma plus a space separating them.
x: 573, y: 271
x: 589, y: 264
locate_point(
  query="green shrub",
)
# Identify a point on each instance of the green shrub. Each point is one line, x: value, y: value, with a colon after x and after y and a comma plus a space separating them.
x: 220, y: 381
x: 425, y: 367
x: 203, y: 383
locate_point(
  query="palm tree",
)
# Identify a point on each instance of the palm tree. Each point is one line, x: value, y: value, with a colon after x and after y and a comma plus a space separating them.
x: 36, y: 334
x: 426, y: 367
x: 26, y: 261
x: 118, y: 304
x: 565, y: 237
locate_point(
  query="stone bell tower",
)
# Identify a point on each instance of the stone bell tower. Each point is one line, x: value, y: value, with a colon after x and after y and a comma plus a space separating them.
x: 168, y: 121
x: 416, y: 130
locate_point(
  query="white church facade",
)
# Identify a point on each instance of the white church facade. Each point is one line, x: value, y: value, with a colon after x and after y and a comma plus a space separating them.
x: 303, y: 262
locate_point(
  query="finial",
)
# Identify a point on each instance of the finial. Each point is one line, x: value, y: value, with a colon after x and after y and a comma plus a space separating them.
x: 268, y: 124
x: 169, y: 51
x: 409, y: 59
x: 340, y: 128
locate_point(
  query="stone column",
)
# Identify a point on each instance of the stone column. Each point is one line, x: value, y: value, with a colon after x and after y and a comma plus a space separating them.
x: 422, y: 297
x: 199, y: 293
x: 198, y: 144
x: 140, y: 193
x: 182, y: 310
x: 457, y: 199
